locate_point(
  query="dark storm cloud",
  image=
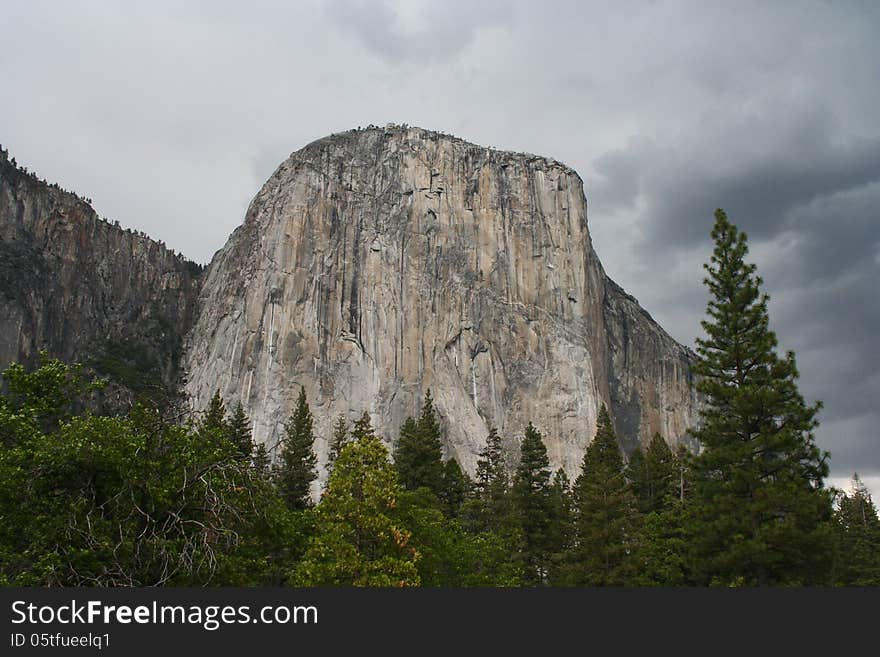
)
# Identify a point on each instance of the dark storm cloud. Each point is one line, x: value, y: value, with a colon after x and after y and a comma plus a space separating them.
x: 171, y: 115
x: 808, y: 195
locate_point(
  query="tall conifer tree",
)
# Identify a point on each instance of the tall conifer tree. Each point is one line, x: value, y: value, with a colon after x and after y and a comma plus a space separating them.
x: 337, y: 441
x: 296, y: 463
x: 214, y: 419
x: 456, y: 486
x: 654, y: 475
x: 489, y: 508
x: 761, y: 515
x: 418, y: 457
x: 857, y: 561
x: 533, y: 504
x: 607, y: 513
x: 240, y: 432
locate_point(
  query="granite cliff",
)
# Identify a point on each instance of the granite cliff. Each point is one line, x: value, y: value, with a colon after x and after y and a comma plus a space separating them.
x: 375, y: 264
x: 87, y: 290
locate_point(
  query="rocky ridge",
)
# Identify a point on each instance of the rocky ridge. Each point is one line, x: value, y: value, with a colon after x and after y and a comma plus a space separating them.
x: 88, y: 290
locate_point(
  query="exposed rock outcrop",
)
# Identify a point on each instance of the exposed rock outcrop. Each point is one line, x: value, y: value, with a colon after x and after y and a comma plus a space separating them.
x: 377, y: 263
x: 87, y: 290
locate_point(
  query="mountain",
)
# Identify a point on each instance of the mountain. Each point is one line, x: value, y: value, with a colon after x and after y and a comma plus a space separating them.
x: 372, y: 266
x: 376, y: 264
x: 87, y: 290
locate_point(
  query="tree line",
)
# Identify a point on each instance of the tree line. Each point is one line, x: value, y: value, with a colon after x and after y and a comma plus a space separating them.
x: 145, y: 499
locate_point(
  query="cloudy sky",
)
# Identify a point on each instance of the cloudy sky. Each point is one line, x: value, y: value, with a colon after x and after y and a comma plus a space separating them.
x: 171, y: 117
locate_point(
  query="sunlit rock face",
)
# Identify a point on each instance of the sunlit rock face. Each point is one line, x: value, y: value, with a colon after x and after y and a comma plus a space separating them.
x: 377, y: 264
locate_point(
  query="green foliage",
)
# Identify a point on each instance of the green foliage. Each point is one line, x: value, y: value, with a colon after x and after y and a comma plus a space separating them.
x: 858, y: 538
x: 337, y: 442
x: 760, y: 513
x: 297, y: 461
x: 239, y: 432
x: 128, y: 500
x: 491, y: 482
x: 47, y: 396
x: 561, y: 534
x: 261, y: 462
x: 133, y: 366
x: 653, y: 475
x: 455, y: 487
x: 449, y: 555
x: 533, y: 506
x: 490, y: 507
x: 135, y: 499
x: 607, y: 513
x: 214, y: 418
x: 661, y: 553
x: 418, y: 456
x: 359, y: 541
x: 363, y: 428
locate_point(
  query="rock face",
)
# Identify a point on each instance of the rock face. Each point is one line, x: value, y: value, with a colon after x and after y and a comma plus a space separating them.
x: 378, y: 263
x: 87, y: 290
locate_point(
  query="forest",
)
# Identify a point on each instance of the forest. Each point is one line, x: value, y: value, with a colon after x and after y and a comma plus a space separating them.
x: 153, y: 496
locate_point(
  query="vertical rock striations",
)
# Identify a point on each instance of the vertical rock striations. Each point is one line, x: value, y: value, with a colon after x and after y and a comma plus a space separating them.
x: 377, y: 263
x: 87, y: 290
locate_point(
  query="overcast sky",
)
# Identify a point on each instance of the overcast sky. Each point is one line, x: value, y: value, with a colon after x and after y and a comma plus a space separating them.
x: 170, y: 117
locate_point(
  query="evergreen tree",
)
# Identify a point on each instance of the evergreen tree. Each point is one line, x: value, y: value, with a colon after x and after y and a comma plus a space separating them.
x: 858, y: 538
x: 239, y: 432
x: 653, y: 475
x: 456, y: 486
x: 363, y: 428
x: 214, y: 420
x: 449, y: 555
x: 661, y: 552
x: 491, y: 481
x: 683, y: 477
x: 607, y: 513
x: 261, y: 461
x: 296, y: 463
x: 489, y: 507
x: 359, y: 541
x: 337, y: 441
x: 761, y: 515
x: 418, y: 456
x: 533, y: 505
x: 561, y: 531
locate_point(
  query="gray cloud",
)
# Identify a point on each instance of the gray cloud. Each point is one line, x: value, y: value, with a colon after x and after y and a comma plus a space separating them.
x: 171, y: 115
x: 412, y: 33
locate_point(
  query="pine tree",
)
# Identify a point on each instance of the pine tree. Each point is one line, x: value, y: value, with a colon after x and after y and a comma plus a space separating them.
x: 561, y: 532
x: 456, y: 486
x: 214, y: 419
x: 858, y: 538
x: 491, y: 481
x: 489, y: 508
x: 261, y: 462
x: 363, y: 428
x: 607, y: 513
x: 661, y: 553
x: 653, y: 475
x: 761, y: 515
x: 239, y: 432
x: 296, y: 467
x: 337, y: 442
x: 533, y: 505
x: 418, y: 457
